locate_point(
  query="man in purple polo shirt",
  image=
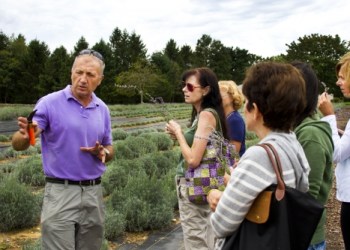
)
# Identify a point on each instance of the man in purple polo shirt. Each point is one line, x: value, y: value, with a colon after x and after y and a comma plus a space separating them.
x: 76, y: 141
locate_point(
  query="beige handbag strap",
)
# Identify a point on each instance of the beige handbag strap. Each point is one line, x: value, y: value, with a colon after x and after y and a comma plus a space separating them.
x: 276, y: 164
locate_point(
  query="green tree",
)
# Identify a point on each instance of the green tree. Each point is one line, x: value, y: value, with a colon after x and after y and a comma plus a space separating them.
x: 34, y: 65
x: 8, y: 66
x: 213, y: 54
x: 18, y: 46
x: 80, y: 45
x: 202, y: 51
x: 119, y: 46
x: 220, y: 60
x: 141, y: 80
x: 57, y: 71
x: 137, y: 49
x: 14, y: 67
x: 241, y: 59
x: 126, y: 49
x: 172, y: 73
x: 6, y: 72
x: 172, y: 65
x: 322, y: 53
x: 172, y: 51
x: 278, y: 58
x: 186, y: 57
x: 106, y: 91
x: 4, y: 41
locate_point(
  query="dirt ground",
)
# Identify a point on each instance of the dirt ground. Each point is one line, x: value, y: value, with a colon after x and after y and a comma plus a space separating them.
x: 334, y: 238
x: 16, y: 239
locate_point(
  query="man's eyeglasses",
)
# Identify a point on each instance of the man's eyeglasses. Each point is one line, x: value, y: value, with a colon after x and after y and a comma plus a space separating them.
x: 91, y: 52
x: 190, y: 87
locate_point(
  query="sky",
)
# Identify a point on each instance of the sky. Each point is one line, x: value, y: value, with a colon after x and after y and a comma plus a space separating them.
x: 263, y: 27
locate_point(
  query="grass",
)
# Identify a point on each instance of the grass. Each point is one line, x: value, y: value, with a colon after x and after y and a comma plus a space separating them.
x: 12, y: 111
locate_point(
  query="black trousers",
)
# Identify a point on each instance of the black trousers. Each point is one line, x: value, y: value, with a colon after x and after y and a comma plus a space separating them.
x: 345, y: 223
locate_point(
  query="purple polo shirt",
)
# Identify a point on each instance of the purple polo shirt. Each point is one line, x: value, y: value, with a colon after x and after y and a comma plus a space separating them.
x: 67, y: 126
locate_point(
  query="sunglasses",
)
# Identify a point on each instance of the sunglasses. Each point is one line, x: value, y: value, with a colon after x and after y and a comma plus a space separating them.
x: 91, y: 52
x: 190, y: 87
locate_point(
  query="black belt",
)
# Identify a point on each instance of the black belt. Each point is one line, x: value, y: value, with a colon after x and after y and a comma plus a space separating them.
x: 81, y: 183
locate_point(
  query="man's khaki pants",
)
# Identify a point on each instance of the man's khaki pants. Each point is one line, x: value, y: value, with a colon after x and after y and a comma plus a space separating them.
x: 72, y: 217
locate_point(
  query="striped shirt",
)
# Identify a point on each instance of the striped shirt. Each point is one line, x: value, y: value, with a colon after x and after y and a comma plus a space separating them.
x: 253, y: 174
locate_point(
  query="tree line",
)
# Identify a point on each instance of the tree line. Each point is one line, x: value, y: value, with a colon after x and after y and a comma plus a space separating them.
x: 30, y: 70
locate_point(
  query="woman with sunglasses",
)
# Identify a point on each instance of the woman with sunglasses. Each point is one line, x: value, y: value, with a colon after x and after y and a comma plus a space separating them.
x: 201, y: 90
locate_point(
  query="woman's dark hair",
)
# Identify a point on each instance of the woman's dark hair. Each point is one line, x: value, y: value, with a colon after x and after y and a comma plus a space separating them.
x: 206, y: 77
x: 312, y: 88
x: 278, y: 90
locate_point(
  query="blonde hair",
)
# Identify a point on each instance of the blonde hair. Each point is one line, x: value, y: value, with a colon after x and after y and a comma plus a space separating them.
x: 232, y: 89
x: 344, y: 64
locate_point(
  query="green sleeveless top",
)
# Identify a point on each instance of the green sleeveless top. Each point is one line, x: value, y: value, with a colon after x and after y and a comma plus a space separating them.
x: 189, y: 136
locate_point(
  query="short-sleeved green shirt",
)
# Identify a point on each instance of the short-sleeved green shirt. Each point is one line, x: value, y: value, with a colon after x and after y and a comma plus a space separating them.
x: 189, y: 136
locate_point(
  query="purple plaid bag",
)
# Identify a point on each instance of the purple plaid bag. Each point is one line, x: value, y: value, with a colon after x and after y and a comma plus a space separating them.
x: 210, y: 173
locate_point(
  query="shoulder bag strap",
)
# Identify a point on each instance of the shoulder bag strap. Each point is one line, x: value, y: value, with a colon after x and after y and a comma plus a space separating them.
x: 218, y: 122
x: 276, y: 164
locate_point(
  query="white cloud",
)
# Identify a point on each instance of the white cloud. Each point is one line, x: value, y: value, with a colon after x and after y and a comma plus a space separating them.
x: 261, y: 26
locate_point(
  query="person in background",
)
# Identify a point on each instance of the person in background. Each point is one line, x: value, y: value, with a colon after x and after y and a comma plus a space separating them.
x: 201, y: 90
x: 341, y: 155
x: 275, y: 94
x: 315, y: 136
x: 76, y: 141
x: 232, y: 100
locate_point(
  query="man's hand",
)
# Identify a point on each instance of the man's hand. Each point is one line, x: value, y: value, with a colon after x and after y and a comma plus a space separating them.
x: 97, y: 150
x: 20, y: 139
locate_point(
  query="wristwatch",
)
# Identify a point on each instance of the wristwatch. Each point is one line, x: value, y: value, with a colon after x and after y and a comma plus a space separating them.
x: 106, y: 151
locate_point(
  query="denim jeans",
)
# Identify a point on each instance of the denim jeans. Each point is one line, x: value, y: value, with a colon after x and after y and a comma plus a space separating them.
x: 344, y: 223
x: 318, y: 246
